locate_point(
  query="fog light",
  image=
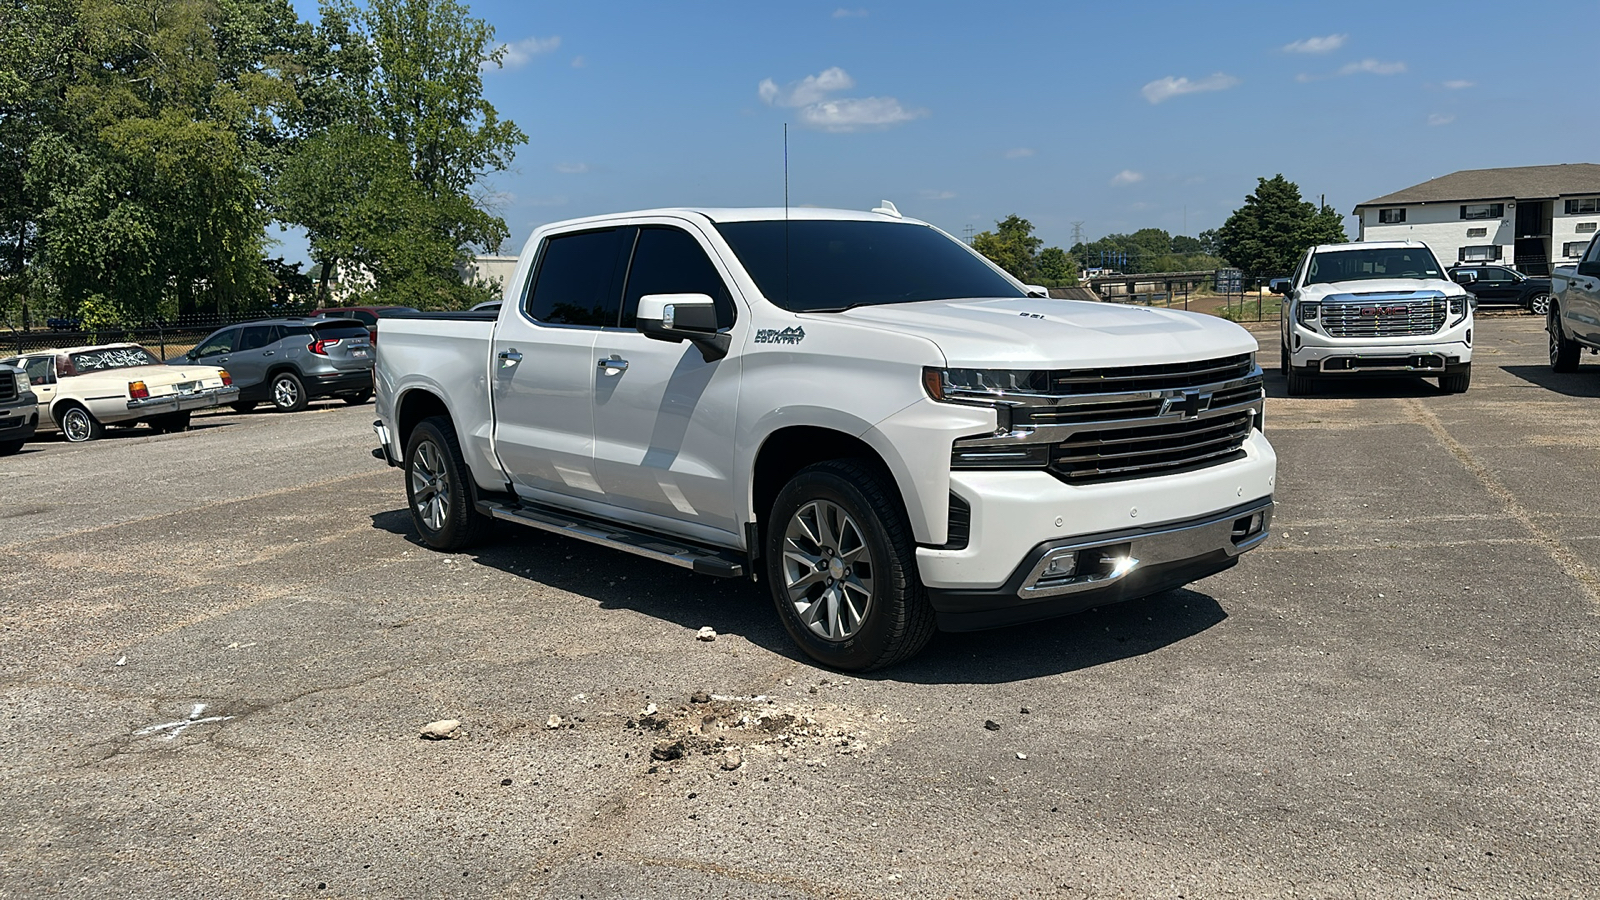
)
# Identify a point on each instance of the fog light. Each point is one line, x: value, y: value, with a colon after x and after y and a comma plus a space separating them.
x: 1062, y: 565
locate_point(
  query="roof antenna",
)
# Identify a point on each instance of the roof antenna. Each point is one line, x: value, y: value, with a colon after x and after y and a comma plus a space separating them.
x: 888, y: 209
x: 786, y: 213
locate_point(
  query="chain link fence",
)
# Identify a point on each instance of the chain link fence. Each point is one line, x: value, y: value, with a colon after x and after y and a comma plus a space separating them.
x: 166, y: 339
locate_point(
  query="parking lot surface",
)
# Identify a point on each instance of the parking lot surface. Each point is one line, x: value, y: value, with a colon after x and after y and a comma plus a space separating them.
x: 218, y: 648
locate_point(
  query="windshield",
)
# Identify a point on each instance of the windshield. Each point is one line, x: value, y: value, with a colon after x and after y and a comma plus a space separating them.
x: 1362, y: 265
x: 113, y: 358
x: 828, y: 266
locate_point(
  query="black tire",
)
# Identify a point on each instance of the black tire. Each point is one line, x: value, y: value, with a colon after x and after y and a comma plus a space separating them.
x: 897, y: 621
x: 1300, y: 384
x: 78, y: 425
x: 171, y: 423
x: 1283, y: 359
x: 357, y: 398
x: 243, y: 406
x: 1456, y: 382
x: 7, y: 448
x: 437, y: 488
x: 1563, y: 350
x: 288, y: 392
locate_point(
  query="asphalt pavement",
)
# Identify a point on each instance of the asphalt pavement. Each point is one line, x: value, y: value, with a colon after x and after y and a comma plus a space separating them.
x: 218, y: 649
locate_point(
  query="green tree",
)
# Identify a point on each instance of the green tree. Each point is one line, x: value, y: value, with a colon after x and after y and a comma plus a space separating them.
x: 1274, y: 227
x: 1011, y: 246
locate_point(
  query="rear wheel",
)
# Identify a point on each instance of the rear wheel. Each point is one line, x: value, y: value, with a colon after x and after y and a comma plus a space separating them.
x: 1563, y: 350
x: 171, y: 422
x: 358, y: 398
x: 79, y: 425
x: 1539, y: 304
x: 842, y: 568
x: 243, y: 406
x: 437, y: 488
x: 1456, y: 382
x: 288, y: 393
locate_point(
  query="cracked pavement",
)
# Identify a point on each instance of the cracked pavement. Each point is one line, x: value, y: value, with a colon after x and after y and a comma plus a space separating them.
x: 1396, y: 697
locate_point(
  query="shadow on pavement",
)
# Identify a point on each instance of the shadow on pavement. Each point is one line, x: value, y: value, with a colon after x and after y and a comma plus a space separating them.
x: 1356, y: 387
x: 736, y: 606
x: 1583, y: 383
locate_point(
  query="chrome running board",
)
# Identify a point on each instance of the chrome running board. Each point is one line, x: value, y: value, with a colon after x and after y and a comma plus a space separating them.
x: 703, y: 560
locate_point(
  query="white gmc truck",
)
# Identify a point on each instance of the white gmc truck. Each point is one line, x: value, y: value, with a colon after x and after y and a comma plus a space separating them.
x: 854, y: 406
x: 1374, y: 308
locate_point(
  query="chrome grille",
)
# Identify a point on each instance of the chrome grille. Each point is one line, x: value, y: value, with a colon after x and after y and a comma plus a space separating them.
x: 1117, y: 453
x: 1384, y: 318
x: 1164, y: 377
x: 8, y: 385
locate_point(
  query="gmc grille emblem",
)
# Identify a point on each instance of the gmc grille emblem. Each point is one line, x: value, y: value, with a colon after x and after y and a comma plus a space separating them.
x: 1383, y: 310
x: 1189, y: 405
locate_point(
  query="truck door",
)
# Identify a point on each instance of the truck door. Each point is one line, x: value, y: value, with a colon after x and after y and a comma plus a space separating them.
x: 1583, y: 295
x: 663, y: 416
x: 542, y: 363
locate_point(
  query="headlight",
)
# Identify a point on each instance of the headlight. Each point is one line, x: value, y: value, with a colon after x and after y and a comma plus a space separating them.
x: 1307, y: 312
x: 23, y: 383
x: 1460, y: 305
x: 983, y: 387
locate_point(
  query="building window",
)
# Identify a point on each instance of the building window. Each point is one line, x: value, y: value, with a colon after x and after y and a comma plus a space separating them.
x: 1483, y: 210
x: 1573, y: 249
x: 1583, y: 205
x: 1585, y: 228
x: 1483, y: 253
x: 1391, y: 216
x: 1477, y: 232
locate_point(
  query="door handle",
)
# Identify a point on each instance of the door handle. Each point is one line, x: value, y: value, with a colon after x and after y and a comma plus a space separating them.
x: 614, y: 363
x: 269, y: 353
x: 509, y: 358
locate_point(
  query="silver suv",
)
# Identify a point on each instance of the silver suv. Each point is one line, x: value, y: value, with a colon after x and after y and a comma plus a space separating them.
x: 288, y: 362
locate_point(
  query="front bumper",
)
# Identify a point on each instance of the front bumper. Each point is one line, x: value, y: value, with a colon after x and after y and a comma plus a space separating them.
x: 1099, y: 569
x: 171, y: 403
x: 1421, y: 355
x: 19, y: 421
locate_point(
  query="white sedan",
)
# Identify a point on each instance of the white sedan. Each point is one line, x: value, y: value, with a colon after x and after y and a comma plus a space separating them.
x: 85, y: 389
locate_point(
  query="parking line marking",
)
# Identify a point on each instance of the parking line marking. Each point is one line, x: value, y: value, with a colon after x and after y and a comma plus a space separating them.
x: 1564, y: 557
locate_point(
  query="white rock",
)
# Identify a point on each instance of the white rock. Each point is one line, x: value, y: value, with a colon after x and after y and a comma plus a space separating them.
x: 706, y: 633
x: 442, y: 730
x: 553, y: 722
x: 650, y: 710
x: 733, y: 759
x: 1022, y: 756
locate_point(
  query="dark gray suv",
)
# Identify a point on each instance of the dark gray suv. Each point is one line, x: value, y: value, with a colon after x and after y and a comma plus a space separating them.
x: 288, y: 362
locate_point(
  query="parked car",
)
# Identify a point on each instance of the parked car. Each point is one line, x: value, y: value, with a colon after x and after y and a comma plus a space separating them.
x: 84, y: 389
x: 19, y: 409
x: 1574, y: 319
x: 289, y: 362
x: 366, y: 315
x: 1494, y: 285
x: 1374, y: 308
x: 872, y: 417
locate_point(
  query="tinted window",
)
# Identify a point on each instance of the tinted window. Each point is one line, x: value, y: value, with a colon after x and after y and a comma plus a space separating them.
x: 330, y: 330
x: 812, y: 266
x: 575, y: 284
x: 669, y: 261
x: 1358, y: 265
x: 362, y: 316
x: 221, y: 342
x: 254, y: 337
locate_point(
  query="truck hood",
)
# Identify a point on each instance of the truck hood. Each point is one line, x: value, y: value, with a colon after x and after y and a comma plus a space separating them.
x: 1030, y: 332
x: 1364, y: 286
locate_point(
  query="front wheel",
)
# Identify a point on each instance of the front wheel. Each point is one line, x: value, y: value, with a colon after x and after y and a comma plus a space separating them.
x: 1563, y: 350
x: 288, y: 392
x: 79, y: 425
x: 1299, y: 382
x: 1456, y: 382
x: 358, y: 398
x: 7, y: 448
x: 1539, y: 304
x: 436, y: 487
x: 842, y: 568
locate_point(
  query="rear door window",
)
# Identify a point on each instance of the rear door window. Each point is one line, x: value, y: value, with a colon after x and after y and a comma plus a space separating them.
x: 671, y: 261
x: 255, y: 337
x: 576, y: 283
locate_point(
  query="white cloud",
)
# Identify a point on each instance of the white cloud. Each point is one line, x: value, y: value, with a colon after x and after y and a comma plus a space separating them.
x: 818, y: 110
x: 1373, y: 67
x: 1441, y: 119
x: 572, y: 168
x: 1317, y: 44
x: 938, y: 195
x: 1457, y: 85
x: 579, y: 62
x: 842, y: 13
x: 1019, y: 152
x: 1126, y: 176
x: 519, y: 53
x: 1169, y: 87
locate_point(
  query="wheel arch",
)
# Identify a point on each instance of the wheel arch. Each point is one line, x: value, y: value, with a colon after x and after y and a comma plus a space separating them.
x: 787, y: 450
x: 412, y: 407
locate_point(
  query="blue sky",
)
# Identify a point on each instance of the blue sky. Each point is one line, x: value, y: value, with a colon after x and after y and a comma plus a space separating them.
x: 1117, y: 115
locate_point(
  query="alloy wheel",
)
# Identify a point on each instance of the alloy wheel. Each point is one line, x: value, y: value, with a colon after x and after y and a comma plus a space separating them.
x: 430, y: 486
x: 1539, y: 305
x: 285, y: 393
x: 76, y: 425
x: 827, y: 570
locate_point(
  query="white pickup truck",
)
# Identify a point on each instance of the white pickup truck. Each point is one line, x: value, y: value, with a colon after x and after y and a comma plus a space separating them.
x: 1574, y: 318
x: 854, y: 406
x: 1374, y: 308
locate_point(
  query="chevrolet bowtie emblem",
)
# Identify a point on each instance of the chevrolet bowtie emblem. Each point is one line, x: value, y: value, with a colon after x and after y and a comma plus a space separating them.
x: 1189, y: 405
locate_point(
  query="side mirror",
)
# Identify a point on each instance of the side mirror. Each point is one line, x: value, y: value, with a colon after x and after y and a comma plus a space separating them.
x: 1591, y: 267
x: 1038, y: 290
x: 1279, y: 286
x: 683, y: 317
x: 192, y: 355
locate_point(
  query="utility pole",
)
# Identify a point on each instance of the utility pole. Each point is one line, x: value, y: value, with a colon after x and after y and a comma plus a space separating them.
x: 1077, y: 233
x: 966, y: 235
